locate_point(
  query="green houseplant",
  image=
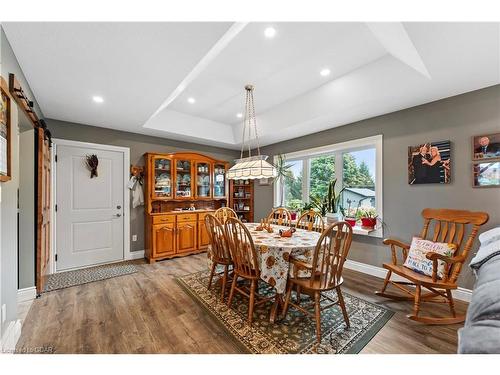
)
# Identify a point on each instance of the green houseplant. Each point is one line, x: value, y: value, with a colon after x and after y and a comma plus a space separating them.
x: 329, y: 204
x: 283, y: 174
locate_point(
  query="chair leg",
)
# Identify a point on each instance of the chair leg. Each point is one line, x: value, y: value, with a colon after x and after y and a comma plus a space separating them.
x: 287, y: 300
x: 233, y: 286
x: 342, y: 306
x: 317, y: 311
x: 298, y: 294
x: 212, y: 271
x: 451, y: 302
x: 386, y: 282
x: 416, y: 306
x: 251, y: 302
x: 224, y: 282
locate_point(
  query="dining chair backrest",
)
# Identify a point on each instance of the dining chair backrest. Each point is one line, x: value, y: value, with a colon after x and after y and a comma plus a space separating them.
x: 280, y: 216
x: 330, y: 254
x: 242, y: 249
x: 218, y: 241
x: 311, y: 221
x: 223, y: 213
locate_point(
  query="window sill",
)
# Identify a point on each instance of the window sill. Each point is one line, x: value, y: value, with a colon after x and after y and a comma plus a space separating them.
x: 377, y: 233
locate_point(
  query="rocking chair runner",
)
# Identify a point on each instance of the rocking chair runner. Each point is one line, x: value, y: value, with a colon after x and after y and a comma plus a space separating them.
x: 450, y: 226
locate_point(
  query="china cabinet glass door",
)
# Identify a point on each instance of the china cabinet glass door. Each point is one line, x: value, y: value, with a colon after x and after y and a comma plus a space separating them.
x: 162, y: 178
x: 203, y: 180
x: 183, y: 179
x: 219, y: 180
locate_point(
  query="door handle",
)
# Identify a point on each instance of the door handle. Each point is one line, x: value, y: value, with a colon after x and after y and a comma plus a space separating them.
x: 118, y: 215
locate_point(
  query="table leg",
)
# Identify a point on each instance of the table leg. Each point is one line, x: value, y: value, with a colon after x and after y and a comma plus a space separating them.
x: 277, y: 306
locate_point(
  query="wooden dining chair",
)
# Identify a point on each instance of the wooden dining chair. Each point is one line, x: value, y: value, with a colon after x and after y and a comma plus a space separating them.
x: 280, y: 216
x: 448, y: 226
x: 325, y: 273
x: 246, y: 264
x: 223, y: 213
x: 311, y: 221
x: 218, y: 251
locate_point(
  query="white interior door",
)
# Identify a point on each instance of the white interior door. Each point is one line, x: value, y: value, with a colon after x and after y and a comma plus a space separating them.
x: 89, y: 216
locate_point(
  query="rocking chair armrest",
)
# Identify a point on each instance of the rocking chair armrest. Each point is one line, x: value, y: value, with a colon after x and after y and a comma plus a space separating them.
x: 395, y: 243
x: 391, y: 241
x: 451, y: 260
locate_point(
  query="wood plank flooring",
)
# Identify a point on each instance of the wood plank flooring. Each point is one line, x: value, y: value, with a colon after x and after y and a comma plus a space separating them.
x: 148, y: 312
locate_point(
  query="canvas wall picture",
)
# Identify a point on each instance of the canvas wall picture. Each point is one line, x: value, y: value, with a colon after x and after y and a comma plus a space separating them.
x: 486, y: 146
x: 429, y: 163
x: 486, y: 174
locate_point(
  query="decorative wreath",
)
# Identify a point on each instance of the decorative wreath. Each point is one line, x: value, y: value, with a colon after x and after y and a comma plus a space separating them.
x: 92, y: 162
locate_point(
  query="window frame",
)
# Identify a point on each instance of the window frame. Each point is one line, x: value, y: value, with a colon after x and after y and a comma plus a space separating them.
x: 338, y: 149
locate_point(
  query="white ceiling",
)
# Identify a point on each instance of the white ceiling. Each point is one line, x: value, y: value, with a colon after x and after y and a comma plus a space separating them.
x: 146, y: 72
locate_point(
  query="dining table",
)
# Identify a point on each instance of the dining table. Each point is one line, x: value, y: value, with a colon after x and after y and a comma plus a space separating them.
x: 273, y: 254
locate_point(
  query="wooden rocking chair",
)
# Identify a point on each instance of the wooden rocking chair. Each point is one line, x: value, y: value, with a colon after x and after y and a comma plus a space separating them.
x: 449, y: 226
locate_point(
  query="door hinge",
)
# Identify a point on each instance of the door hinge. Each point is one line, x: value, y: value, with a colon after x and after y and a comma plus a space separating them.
x: 56, y: 257
x: 56, y: 207
x: 56, y: 158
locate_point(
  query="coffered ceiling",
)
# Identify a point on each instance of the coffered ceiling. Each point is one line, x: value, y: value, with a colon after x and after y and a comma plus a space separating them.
x: 186, y: 80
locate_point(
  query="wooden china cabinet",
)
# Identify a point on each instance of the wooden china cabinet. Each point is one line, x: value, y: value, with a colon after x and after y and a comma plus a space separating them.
x: 180, y: 189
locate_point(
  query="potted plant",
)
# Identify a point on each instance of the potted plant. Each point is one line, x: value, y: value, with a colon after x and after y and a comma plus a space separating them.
x: 283, y: 174
x: 350, y: 214
x: 328, y: 205
x: 368, y: 217
x: 294, y: 206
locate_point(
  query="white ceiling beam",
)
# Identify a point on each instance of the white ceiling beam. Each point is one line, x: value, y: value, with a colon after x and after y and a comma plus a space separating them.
x: 211, y: 55
x: 395, y: 39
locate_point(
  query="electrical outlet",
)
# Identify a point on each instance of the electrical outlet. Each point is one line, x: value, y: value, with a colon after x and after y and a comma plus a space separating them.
x: 134, y: 237
x: 4, y: 312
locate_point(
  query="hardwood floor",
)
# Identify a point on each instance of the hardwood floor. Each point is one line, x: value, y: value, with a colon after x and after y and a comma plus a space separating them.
x: 148, y: 312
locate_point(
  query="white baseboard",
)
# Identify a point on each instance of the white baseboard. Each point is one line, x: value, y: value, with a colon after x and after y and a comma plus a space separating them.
x: 461, y: 294
x: 11, y: 336
x: 26, y: 294
x: 135, y: 255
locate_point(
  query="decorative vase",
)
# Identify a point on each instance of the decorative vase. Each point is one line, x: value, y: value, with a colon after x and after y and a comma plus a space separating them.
x: 351, y: 221
x: 368, y: 222
x: 332, y: 217
x: 293, y: 215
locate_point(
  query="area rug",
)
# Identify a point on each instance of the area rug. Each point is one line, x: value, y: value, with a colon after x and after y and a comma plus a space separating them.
x: 67, y: 279
x: 296, y: 333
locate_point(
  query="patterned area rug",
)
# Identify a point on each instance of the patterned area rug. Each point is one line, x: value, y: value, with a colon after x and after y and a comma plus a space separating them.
x: 87, y: 275
x: 294, y: 334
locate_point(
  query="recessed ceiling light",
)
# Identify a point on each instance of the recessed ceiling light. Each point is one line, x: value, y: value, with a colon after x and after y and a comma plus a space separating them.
x: 239, y: 115
x: 325, y: 72
x: 191, y: 100
x: 98, y: 99
x: 270, y: 32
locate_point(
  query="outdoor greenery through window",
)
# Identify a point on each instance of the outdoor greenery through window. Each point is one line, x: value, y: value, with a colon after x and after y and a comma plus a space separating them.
x: 311, y: 171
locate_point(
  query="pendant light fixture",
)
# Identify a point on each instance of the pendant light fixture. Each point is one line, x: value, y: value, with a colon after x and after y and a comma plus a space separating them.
x: 252, y: 167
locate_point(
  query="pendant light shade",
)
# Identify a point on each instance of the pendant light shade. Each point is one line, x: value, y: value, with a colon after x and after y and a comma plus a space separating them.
x: 252, y: 167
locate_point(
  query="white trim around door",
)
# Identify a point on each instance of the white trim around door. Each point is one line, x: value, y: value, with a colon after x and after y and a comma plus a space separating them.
x: 126, y: 193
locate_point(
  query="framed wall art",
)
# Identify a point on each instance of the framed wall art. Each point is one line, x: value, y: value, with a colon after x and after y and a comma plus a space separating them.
x: 486, y: 174
x: 5, y: 132
x: 429, y: 163
x: 486, y: 146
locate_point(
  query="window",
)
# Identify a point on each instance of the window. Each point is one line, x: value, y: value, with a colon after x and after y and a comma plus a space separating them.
x: 356, y: 165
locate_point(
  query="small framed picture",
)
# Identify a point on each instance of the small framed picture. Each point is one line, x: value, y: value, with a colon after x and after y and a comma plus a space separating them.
x: 486, y: 146
x: 486, y: 174
x: 264, y: 181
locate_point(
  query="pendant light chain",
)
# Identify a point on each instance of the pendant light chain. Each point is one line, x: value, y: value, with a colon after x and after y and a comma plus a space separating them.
x: 255, y: 122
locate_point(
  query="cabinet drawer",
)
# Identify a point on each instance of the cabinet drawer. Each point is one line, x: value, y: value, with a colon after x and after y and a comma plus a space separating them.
x: 163, y: 219
x: 186, y: 217
x: 201, y: 216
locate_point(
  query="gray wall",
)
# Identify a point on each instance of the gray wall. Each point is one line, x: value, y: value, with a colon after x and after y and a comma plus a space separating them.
x: 139, y: 145
x: 27, y: 209
x: 457, y: 119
